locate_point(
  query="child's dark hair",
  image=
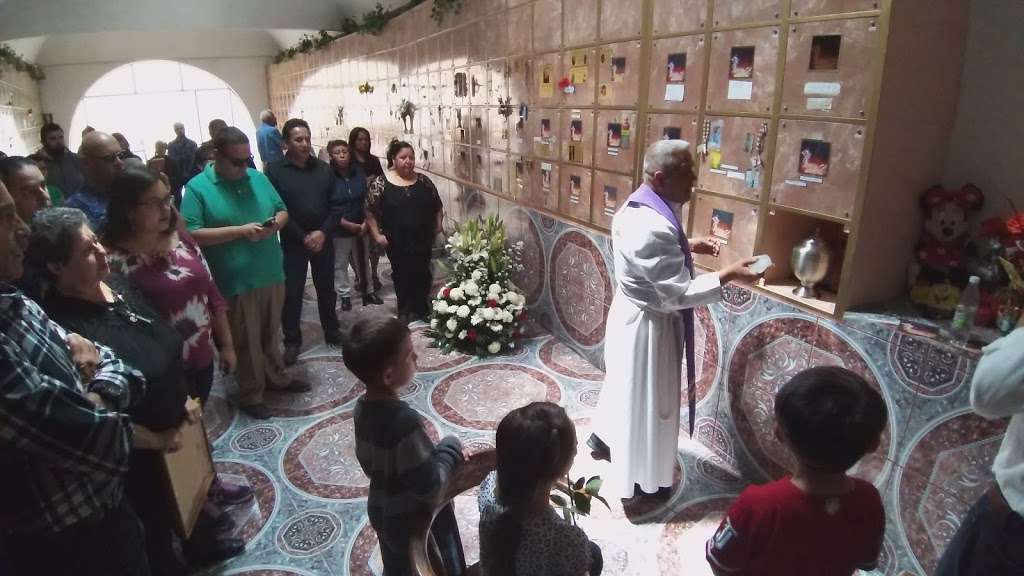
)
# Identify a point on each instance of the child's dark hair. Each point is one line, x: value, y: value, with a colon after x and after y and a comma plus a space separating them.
x: 534, y: 445
x: 371, y: 345
x: 830, y: 416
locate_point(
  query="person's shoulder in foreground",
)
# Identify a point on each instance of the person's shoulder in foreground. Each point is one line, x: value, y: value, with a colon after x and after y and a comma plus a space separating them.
x: 819, y: 521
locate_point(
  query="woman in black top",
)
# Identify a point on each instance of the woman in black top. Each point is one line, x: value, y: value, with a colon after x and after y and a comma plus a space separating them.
x: 359, y: 141
x: 403, y: 211
x: 105, y: 308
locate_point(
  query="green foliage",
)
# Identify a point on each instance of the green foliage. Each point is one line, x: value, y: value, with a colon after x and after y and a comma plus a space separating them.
x: 580, y: 493
x: 11, y: 58
x: 371, y: 23
x: 442, y: 8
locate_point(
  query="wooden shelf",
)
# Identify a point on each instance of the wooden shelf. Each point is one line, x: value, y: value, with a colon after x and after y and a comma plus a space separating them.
x: 826, y: 303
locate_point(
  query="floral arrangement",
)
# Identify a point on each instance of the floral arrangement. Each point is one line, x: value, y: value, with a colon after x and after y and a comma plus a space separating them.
x: 8, y: 57
x: 479, y: 309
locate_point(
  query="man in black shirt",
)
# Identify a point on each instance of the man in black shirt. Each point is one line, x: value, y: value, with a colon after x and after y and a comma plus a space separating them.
x: 306, y: 185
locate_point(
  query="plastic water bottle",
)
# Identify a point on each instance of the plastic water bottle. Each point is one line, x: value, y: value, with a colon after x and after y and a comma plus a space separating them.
x: 966, y: 309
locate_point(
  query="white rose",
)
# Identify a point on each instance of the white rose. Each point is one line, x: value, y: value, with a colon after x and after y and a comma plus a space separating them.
x: 494, y: 347
x: 477, y: 275
x: 456, y: 294
x: 463, y: 311
x: 507, y: 316
x: 462, y: 335
x: 494, y: 289
x: 433, y: 323
x: 451, y: 325
x: 488, y: 314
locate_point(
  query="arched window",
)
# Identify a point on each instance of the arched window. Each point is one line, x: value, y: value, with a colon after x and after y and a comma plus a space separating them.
x: 143, y: 100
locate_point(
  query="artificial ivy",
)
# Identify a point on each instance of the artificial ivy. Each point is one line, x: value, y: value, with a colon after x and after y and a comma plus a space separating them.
x: 372, y: 22
x: 11, y: 58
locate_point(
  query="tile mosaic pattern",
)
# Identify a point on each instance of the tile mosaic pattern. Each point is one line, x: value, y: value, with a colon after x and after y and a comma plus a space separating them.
x: 309, y: 516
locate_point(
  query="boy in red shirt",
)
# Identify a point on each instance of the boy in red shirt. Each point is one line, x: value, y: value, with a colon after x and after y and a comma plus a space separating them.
x: 819, y: 521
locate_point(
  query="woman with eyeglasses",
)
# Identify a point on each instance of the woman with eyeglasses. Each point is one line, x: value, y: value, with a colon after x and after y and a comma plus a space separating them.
x: 146, y: 243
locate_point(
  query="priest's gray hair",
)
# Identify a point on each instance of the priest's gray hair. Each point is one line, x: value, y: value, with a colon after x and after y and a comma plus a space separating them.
x: 663, y: 155
x: 266, y: 114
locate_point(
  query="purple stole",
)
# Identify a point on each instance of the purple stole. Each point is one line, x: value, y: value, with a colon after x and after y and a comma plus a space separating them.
x: 645, y: 196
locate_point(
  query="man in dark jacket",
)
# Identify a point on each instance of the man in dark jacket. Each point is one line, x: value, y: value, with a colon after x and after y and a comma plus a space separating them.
x: 306, y: 185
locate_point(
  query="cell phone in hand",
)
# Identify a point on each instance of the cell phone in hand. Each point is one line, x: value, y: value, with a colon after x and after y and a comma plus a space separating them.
x: 762, y: 263
x: 269, y: 222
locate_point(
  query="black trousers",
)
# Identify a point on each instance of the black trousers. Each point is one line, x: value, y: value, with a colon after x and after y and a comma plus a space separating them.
x: 988, y: 542
x: 200, y: 382
x: 412, y: 275
x: 297, y: 261
x: 110, y: 544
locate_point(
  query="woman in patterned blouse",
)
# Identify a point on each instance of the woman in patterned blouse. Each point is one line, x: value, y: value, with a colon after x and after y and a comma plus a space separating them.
x: 146, y: 245
x: 403, y: 212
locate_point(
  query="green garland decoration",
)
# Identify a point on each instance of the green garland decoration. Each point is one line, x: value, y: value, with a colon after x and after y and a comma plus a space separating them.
x: 372, y: 23
x: 11, y: 58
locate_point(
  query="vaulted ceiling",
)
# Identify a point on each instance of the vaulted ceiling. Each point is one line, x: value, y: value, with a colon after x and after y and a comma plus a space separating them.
x: 253, y: 25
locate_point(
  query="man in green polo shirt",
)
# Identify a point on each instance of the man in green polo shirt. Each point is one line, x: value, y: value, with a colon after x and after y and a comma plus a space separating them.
x: 234, y: 213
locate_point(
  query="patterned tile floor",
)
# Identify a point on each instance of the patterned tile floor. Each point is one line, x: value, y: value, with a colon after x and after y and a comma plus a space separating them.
x: 309, y: 517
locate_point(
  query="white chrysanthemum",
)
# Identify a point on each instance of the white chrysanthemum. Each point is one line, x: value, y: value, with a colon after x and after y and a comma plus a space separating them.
x: 462, y: 335
x: 441, y: 306
x: 452, y: 324
x: 494, y: 347
x: 495, y: 327
x: 494, y: 289
x: 488, y: 314
x: 507, y: 317
x: 471, y: 288
x: 463, y: 311
x: 477, y: 275
x: 475, y: 301
x: 474, y: 320
x: 456, y: 294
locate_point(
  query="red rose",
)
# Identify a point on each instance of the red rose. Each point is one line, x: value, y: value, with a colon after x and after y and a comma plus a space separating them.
x: 471, y: 334
x: 492, y: 303
x: 445, y: 292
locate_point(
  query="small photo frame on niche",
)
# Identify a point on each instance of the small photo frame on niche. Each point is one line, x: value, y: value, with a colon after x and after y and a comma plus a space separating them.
x: 825, y: 52
x: 814, y: 157
x: 741, y: 63
x: 675, y: 70
x: 611, y: 198
x: 721, y: 225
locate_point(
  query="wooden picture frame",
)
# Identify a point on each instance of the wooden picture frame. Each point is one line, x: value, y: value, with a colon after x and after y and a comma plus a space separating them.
x: 190, y: 473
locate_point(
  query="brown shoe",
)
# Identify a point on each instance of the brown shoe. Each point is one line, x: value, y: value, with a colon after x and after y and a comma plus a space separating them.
x: 292, y: 387
x: 291, y: 355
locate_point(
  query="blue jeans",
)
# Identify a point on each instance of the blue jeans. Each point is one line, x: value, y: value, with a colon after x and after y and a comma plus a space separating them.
x: 990, y: 541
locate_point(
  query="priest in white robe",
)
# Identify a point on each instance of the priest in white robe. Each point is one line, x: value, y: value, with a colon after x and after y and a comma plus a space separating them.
x: 637, y: 419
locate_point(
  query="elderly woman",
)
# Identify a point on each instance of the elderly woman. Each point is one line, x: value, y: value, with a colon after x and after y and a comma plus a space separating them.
x: 85, y: 298
x: 147, y: 244
x: 403, y: 212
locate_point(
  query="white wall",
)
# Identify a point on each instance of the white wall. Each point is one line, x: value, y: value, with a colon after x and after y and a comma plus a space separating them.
x: 73, y: 63
x: 987, y: 147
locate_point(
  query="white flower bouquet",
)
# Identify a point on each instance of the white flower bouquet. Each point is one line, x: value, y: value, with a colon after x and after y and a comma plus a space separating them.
x: 479, y: 310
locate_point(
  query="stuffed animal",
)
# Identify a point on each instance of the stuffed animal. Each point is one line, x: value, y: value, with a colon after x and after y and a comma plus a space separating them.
x: 939, y: 269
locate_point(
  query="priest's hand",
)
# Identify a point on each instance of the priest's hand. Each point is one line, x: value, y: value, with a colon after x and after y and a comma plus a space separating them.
x: 739, y: 271
x: 708, y: 246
